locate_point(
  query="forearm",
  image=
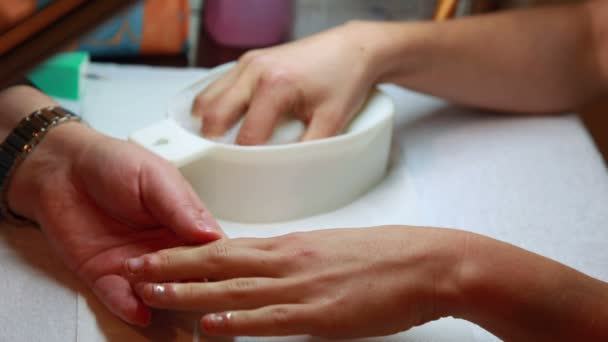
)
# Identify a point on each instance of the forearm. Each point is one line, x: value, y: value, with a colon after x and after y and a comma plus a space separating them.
x: 521, y: 296
x: 16, y: 103
x: 539, y: 60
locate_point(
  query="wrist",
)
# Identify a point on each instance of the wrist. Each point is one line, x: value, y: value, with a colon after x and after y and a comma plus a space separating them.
x: 449, y: 293
x: 397, y: 50
x: 437, y: 254
x: 370, y: 46
x: 518, y: 295
x: 56, y: 152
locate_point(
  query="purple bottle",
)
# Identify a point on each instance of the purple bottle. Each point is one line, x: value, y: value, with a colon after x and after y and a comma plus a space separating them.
x: 231, y: 27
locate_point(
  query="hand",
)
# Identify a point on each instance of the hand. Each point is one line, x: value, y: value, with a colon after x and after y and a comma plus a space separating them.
x: 101, y: 201
x: 323, y: 80
x: 341, y: 283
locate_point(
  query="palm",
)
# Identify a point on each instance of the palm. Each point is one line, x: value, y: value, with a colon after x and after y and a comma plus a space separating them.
x: 108, y: 206
x: 95, y: 245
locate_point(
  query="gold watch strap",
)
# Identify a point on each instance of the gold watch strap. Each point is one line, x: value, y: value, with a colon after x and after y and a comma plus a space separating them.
x: 20, y: 143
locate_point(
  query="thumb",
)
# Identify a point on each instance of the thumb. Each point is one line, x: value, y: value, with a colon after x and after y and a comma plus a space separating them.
x: 172, y: 203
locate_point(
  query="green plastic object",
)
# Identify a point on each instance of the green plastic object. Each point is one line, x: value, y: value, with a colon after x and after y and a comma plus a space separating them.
x: 62, y: 75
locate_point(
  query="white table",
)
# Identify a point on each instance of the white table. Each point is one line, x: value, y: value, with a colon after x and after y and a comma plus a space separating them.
x: 536, y: 182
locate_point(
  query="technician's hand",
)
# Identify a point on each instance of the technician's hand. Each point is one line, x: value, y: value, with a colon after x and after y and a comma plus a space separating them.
x: 323, y: 80
x: 340, y: 283
x: 101, y: 201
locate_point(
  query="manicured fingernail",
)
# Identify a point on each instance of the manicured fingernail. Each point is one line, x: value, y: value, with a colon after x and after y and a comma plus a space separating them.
x: 158, y: 289
x: 217, y: 319
x: 204, y: 226
x: 135, y: 265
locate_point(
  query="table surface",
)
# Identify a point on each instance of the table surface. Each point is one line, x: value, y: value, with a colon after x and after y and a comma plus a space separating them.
x: 536, y: 182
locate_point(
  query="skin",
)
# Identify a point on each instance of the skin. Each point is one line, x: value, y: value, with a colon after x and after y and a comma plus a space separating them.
x: 101, y: 201
x: 376, y: 281
x: 268, y: 83
x: 347, y: 283
x: 545, y: 60
x: 309, y: 283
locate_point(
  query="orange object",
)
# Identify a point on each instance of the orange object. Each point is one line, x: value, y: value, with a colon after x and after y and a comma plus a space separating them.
x: 31, y: 23
x: 152, y: 28
x: 165, y: 26
x: 13, y: 11
x: 446, y: 9
x: 36, y: 42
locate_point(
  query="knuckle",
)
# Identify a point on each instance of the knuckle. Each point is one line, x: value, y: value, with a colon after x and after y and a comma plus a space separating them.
x: 305, y: 252
x: 321, y: 284
x: 218, y: 251
x: 249, y: 56
x: 239, y: 287
x: 247, y: 136
x: 269, y: 244
x: 296, y: 259
x: 260, y: 61
x: 201, y: 102
x: 332, y: 120
x: 282, y: 318
x: 157, y: 262
x: 290, y: 240
x: 213, y: 118
x: 276, y: 77
x: 187, y: 291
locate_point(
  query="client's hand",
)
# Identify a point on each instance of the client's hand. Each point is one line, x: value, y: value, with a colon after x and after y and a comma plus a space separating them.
x: 332, y: 283
x: 323, y: 80
x: 101, y: 201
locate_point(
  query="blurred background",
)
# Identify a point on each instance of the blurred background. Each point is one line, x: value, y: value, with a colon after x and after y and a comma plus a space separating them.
x: 207, y: 33
x: 221, y: 30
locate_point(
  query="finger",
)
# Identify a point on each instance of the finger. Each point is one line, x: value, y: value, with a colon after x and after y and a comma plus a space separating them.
x: 324, y: 124
x: 116, y: 294
x: 168, y: 198
x: 219, y: 260
x: 274, y: 97
x: 215, y: 89
x: 111, y: 261
x: 233, y: 294
x: 224, y: 83
x: 225, y: 110
x: 274, y: 320
x: 196, y: 199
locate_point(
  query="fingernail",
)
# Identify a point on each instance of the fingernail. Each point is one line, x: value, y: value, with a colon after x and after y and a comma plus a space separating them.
x: 212, y: 136
x: 204, y: 226
x: 217, y: 319
x: 135, y: 265
x: 205, y: 222
x: 158, y: 289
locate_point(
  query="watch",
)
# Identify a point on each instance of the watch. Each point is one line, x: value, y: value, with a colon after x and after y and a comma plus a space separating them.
x: 19, y: 143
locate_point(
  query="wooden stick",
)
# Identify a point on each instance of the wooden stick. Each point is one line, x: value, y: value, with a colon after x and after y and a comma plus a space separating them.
x: 446, y: 9
x: 36, y: 23
x: 17, y: 61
